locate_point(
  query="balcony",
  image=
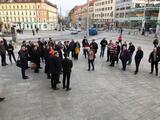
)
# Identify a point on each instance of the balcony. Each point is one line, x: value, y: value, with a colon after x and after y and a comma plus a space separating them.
x: 141, y: 18
x: 141, y: 9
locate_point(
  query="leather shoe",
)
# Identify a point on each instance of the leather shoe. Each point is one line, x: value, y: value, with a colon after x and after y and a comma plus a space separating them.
x: 26, y: 77
x: 68, y: 89
x: 2, y: 99
x: 55, y: 88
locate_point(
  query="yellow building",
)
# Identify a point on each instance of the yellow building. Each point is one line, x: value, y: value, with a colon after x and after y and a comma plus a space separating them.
x: 73, y: 16
x: 28, y: 14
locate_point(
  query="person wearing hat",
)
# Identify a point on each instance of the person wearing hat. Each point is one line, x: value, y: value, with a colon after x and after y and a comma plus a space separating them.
x: 55, y: 70
x: 67, y: 65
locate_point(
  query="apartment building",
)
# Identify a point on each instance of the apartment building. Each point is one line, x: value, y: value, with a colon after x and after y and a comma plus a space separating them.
x: 28, y: 14
x: 104, y: 12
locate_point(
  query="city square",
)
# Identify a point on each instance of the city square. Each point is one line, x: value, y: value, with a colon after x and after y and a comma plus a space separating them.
x: 47, y: 50
x: 104, y: 94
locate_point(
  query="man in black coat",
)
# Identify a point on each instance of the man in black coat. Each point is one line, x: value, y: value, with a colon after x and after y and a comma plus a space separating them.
x: 23, y: 60
x: 154, y: 59
x: 3, y: 53
x: 138, y: 58
x: 72, y: 48
x: 55, y: 70
x: 94, y: 46
x: 47, y: 60
x: 131, y: 50
x: 36, y: 58
x: 103, y: 43
x: 10, y: 50
x: 67, y: 66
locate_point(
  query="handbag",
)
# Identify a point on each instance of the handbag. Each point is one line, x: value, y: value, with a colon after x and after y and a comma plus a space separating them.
x: 18, y: 63
x: 33, y: 66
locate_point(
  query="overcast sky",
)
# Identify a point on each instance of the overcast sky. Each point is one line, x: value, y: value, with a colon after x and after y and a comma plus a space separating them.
x: 67, y: 5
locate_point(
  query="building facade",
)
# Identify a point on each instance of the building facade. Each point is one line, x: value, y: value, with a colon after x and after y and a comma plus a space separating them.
x: 104, y: 12
x: 79, y: 15
x: 28, y: 14
x: 135, y: 13
x: 73, y: 16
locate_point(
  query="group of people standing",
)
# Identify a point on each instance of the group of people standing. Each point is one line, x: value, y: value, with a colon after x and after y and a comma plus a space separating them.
x: 115, y: 51
x: 4, y: 49
x: 121, y: 51
x: 54, y: 55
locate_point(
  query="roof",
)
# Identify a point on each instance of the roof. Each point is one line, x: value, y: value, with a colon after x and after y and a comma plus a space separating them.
x: 27, y: 1
x: 19, y: 1
x: 91, y: 3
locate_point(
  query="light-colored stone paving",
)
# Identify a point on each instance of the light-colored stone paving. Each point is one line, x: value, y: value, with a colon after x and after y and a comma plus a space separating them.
x: 104, y: 94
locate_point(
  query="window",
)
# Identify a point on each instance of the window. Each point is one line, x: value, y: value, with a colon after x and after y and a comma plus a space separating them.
x: 21, y: 7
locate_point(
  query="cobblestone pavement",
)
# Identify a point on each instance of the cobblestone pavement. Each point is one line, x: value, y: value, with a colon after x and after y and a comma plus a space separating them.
x: 104, y: 94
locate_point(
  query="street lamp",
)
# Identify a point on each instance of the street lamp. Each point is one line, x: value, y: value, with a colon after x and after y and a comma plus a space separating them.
x: 144, y: 20
x: 87, y: 18
x: 158, y: 23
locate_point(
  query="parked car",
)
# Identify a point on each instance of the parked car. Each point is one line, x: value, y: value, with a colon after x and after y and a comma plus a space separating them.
x: 93, y: 31
x: 74, y: 31
x: 79, y: 30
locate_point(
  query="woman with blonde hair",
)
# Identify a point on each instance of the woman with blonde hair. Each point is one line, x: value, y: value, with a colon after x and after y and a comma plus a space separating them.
x: 77, y: 50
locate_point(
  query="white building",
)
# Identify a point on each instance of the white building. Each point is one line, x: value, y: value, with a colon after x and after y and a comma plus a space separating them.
x: 104, y: 12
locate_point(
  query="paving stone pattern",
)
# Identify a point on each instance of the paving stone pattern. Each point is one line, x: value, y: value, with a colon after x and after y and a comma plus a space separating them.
x: 104, y: 94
